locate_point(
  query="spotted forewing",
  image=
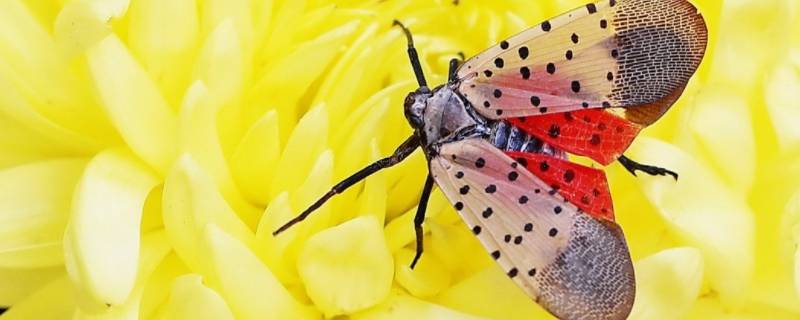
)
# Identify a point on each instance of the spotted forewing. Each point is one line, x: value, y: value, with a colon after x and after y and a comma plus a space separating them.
x: 576, y: 266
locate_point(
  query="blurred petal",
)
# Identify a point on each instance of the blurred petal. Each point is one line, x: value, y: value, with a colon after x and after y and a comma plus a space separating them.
x: 190, y: 299
x: 705, y: 214
x: 491, y: 294
x: 20, y: 283
x: 106, y: 216
x: 667, y: 284
x: 54, y: 301
x: 250, y: 289
x: 35, y: 200
x: 783, y: 105
x: 134, y: 103
x: 352, y: 255
x: 401, y: 307
x: 721, y: 124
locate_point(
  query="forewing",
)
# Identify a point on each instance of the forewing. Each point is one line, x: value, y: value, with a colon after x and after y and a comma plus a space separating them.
x: 574, y: 265
x: 623, y: 53
x: 596, y: 133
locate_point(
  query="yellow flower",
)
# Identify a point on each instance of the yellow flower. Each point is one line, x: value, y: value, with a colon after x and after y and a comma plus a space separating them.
x: 149, y: 148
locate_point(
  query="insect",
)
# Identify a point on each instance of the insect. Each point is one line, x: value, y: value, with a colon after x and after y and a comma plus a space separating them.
x: 496, y: 137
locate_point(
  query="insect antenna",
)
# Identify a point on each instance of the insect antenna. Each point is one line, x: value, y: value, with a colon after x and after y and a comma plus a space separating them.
x: 403, y: 151
x: 414, y: 57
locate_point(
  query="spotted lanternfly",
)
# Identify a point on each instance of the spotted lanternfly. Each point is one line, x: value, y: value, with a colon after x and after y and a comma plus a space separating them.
x: 497, y: 134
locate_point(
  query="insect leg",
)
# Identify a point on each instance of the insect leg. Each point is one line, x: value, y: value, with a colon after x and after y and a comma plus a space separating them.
x: 414, y: 57
x: 451, y: 74
x: 420, y: 217
x: 403, y: 151
x: 632, y: 166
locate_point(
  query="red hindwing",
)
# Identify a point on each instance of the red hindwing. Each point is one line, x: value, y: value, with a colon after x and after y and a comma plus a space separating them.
x: 582, y: 186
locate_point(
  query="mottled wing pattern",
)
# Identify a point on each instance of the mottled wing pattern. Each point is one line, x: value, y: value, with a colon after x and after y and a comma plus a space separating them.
x: 595, y: 133
x: 574, y: 265
x: 623, y: 53
x: 586, y: 188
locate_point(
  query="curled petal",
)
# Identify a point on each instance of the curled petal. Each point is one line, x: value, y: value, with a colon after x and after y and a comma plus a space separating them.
x: 352, y: 255
x: 106, y: 215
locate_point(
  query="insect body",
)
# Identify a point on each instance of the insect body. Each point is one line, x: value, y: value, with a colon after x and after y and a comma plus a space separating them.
x: 497, y: 134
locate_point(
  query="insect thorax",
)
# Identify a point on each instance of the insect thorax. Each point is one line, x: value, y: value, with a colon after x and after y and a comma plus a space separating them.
x: 445, y: 113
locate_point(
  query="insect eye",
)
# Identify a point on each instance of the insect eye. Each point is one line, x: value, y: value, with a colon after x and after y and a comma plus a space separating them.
x: 409, y: 100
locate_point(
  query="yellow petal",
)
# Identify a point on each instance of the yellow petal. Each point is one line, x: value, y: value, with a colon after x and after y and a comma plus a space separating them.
x: 238, y: 12
x: 154, y: 247
x: 284, y: 248
x: 190, y: 299
x: 200, y: 137
x: 253, y: 163
x: 783, y: 108
x: 277, y: 213
x: 372, y: 200
x: 191, y: 201
x: 20, y: 283
x: 352, y: 255
x: 163, y: 35
x: 307, y: 142
x: 428, y: 278
x: 157, y: 289
x: 251, y: 290
x: 220, y: 64
x: 705, y: 214
x: 106, y: 215
x: 458, y: 249
x: 54, y: 301
x: 134, y: 103
x: 35, y: 200
x: 346, y: 81
x: 667, y: 284
x: 357, y: 144
x: 402, y: 307
x: 40, y: 76
x: 725, y: 133
x: 491, y: 294
x: 82, y: 23
x: 284, y: 76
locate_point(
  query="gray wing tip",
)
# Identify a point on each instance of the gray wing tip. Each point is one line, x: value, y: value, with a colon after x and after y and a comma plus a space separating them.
x: 593, y: 277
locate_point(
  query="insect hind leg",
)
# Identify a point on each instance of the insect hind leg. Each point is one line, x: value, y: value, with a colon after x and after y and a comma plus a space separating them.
x: 632, y: 166
x: 420, y: 217
x: 402, y: 152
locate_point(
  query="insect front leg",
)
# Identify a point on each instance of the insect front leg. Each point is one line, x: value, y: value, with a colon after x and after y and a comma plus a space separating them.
x: 454, y: 63
x: 632, y: 166
x: 402, y: 152
x: 420, y: 217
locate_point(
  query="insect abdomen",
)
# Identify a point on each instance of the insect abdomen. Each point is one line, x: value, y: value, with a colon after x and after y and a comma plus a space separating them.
x: 507, y: 137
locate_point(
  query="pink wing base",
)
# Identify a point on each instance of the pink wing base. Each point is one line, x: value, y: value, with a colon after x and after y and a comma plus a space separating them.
x: 586, y: 188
